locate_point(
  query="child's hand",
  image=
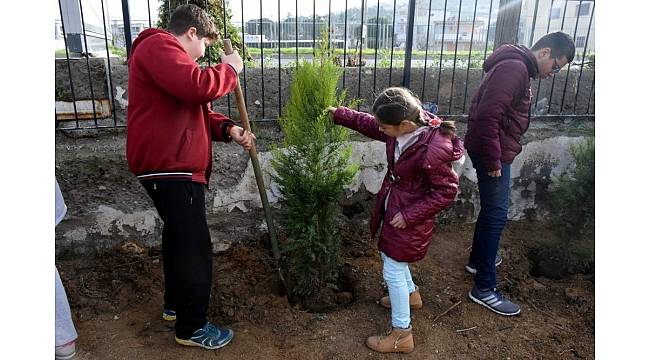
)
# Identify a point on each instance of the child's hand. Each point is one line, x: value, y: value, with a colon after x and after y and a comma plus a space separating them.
x: 331, y: 110
x: 243, y: 137
x: 234, y: 60
x: 495, y: 173
x: 398, y: 221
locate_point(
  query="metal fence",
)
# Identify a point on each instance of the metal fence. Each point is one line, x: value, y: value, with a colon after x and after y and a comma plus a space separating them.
x: 434, y: 47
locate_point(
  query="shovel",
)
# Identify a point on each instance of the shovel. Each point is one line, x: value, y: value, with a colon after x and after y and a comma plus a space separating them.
x: 243, y: 114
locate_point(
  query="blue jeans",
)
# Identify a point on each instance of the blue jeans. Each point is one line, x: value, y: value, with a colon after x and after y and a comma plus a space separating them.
x: 400, y: 285
x: 494, y: 195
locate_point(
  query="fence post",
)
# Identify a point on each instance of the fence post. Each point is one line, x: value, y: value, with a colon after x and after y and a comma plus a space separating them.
x: 127, y: 26
x: 408, y: 50
x: 507, y: 22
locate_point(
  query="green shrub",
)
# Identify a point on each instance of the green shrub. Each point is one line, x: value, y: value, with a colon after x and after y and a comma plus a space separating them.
x: 311, y: 171
x: 571, y: 248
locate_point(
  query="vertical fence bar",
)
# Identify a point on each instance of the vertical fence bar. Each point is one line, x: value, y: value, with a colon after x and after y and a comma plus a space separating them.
x: 262, y: 58
x: 279, y: 65
x: 442, y: 47
x: 108, y: 59
x: 296, y: 33
x: 345, y: 40
x: 67, y: 58
x: 329, y: 24
x: 149, y: 12
x: 90, y: 81
x: 408, y: 51
x: 532, y: 30
x: 225, y: 35
x: 548, y: 27
x: 584, y: 52
x: 469, y: 58
x: 313, y: 31
x: 127, y: 25
x: 550, y: 97
x: 426, y: 52
x: 593, y: 83
x: 208, y: 49
x: 568, y: 72
x: 360, y: 53
x: 244, y: 50
x: 453, y: 70
x: 392, y: 45
x: 487, y: 35
x: 374, y: 73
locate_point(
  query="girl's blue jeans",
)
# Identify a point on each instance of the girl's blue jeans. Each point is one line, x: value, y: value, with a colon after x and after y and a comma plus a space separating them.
x: 400, y: 285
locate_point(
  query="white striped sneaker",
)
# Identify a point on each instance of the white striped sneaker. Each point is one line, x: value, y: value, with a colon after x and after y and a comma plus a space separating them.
x: 495, y: 301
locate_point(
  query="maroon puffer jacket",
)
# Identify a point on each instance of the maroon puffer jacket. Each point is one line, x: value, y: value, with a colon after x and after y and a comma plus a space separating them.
x: 499, y: 113
x: 422, y: 183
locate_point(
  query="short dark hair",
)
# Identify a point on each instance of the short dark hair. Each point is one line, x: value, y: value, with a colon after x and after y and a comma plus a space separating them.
x: 560, y: 44
x: 190, y: 15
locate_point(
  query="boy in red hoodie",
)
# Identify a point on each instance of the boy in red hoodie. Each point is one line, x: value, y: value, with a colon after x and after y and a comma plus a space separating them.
x: 169, y: 147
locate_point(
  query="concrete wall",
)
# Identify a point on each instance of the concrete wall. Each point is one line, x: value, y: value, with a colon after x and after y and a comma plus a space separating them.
x: 107, y: 205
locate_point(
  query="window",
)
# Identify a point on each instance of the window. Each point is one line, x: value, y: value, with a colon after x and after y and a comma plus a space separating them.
x: 580, y: 41
x: 583, y: 9
x: 555, y: 13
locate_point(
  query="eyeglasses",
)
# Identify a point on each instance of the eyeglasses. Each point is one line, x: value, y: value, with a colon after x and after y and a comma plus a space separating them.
x: 556, y: 66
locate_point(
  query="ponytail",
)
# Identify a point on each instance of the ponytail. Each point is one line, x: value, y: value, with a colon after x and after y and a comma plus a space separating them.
x: 448, y: 128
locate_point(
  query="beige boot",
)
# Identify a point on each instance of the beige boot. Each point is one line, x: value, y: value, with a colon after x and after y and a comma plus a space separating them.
x: 415, y: 300
x: 398, y: 341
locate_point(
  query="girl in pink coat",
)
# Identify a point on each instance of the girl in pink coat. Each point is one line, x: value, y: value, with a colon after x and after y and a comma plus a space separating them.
x: 419, y: 183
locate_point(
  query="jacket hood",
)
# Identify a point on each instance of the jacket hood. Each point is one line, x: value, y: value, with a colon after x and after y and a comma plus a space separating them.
x: 145, y: 35
x: 512, y: 52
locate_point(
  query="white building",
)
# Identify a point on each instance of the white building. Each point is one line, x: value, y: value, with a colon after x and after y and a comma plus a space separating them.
x: 551, y: 18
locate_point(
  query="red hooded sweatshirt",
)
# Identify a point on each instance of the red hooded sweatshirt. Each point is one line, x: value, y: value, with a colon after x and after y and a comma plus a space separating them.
x: 170, y: 124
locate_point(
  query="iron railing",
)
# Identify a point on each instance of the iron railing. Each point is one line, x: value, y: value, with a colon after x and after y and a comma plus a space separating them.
x: 373, y: 42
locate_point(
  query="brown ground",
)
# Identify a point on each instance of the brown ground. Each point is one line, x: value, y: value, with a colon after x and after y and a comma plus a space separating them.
x: 116, y: 301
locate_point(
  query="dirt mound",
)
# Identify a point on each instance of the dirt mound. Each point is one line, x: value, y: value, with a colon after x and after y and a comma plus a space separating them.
x: 116, y: 300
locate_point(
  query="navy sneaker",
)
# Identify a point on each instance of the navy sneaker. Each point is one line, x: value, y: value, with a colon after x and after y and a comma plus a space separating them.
x: 495, y: 301
x: 169, y: 315
x: 209, y: 337
x: 471, y: 267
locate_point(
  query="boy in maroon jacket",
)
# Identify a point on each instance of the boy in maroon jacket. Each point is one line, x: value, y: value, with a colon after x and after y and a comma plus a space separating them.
x: 169, y: 147
x: 498, y: 116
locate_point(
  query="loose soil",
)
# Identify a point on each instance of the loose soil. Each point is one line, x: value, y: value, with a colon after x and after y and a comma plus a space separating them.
x: 116, y: 300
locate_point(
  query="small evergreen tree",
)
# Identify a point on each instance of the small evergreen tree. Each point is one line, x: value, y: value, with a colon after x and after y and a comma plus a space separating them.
x: 571, y: 249
x: 311, y: 171
x: 216, y: 11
